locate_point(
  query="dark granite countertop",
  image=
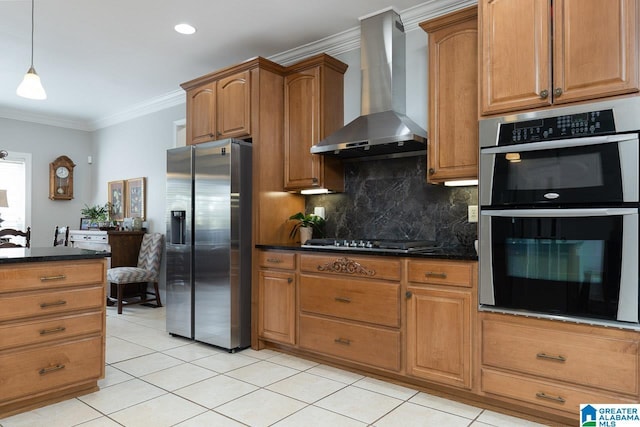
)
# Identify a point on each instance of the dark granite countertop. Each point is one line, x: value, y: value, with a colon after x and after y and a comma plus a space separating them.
x: 57, y: 253
x: 449, y: 252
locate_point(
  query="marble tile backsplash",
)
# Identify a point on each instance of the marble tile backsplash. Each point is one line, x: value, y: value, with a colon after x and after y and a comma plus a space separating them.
x: 390, y: 199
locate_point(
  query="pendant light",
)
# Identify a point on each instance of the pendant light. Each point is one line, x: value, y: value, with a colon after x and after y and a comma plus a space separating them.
x: 31, y: 87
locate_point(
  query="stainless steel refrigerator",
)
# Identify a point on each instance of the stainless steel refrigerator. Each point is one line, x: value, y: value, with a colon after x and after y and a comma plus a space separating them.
x: 208, y: 244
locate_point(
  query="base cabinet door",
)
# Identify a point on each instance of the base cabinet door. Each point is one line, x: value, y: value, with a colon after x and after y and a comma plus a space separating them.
x: 277, y: 306
x: 439, y: 335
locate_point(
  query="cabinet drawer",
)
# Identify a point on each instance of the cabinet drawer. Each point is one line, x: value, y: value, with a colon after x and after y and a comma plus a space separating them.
x: 452, y: 273
x: 347, y: 265
x: 14, y: 335
x: 585, y: 359
x: 364, y: 344
x: 364, y: 300
x: 283, y: 260
x: 48, y: 275
x: 16, y: 306
x: 545, y: 393
x: 29, y: 372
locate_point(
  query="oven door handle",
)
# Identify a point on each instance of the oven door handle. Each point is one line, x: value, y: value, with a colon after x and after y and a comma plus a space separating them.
x: 559, y: 213
x: 560, y: 143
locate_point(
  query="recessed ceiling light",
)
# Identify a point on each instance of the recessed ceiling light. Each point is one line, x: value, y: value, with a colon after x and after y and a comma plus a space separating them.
x: 185, y: 29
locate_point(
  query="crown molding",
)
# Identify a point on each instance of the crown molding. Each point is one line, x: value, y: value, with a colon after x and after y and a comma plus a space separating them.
x: 333, y: 45
x: 168, y: 100
x: 44, y: 119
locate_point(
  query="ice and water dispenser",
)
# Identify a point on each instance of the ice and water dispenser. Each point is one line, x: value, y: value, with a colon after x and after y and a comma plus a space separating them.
x: 178, y: 227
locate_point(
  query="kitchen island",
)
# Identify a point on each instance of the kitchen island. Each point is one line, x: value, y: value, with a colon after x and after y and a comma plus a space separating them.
x: 52, y: 325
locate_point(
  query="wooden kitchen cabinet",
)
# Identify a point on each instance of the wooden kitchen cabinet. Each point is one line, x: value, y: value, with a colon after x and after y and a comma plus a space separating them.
x: 313, y: 109
x: 452, y: 150
x: 277, y: 297
x: 219, y: 109
x: 535, y: 53
x: 441, y: 313
x: 555, y: 366
x: 52, y: 331
x: 350, y: 309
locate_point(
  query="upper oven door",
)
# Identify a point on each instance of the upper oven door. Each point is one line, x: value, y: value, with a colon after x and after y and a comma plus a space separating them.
x: 577, y: 171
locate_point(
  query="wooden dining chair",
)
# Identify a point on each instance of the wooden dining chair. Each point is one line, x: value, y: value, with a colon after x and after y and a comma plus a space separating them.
x: 61, y: 236
x: 7, y: 233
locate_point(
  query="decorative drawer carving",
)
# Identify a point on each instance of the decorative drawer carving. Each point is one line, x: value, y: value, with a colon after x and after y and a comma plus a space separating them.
x: 364, y: 344
x: 363, y: 300
x: 353, y: 266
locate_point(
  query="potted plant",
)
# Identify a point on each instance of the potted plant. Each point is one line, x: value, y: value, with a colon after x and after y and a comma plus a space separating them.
x: 98, y: 214
x: 307, y: 224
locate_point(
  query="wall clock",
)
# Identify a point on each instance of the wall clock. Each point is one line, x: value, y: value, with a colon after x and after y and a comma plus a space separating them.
x: 61, y: 178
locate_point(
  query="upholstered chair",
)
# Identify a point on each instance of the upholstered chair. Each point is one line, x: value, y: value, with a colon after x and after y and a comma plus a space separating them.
x: 147, y: 271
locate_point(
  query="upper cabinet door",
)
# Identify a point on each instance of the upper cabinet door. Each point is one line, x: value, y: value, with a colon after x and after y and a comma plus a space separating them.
x: 594, y: 48
x: 234, y: 106
x: 515, y: 55
x: 595, y: 52
x: 453, y: 96
x: 302, y: 130
x: 201, y: 113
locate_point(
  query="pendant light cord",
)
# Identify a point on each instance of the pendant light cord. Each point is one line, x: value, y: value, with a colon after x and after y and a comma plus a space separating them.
x: 32, y: 21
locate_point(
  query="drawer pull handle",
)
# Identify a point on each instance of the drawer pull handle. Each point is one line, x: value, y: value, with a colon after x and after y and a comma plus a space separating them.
x: 435, y: 274
x: 274, y: 260
x: 343, y: 299
x: 45, y: 371
x: 53, y: 331
x: 551, y: 357
x: 342, y: 341
x: 52, y: 304
x: 49, y: 278
x: 542, y: 395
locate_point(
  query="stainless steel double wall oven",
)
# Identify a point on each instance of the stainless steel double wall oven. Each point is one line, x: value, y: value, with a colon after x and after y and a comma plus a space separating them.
x: 559, y: 213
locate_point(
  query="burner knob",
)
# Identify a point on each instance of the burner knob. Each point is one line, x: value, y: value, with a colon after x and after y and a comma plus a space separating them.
x: 345, y: 243
x: 353, y: 244
x: 368, y: 244
x: 361, y: 244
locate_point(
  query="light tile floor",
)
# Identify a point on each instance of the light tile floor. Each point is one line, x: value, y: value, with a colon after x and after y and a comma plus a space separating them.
x: 155, y: 380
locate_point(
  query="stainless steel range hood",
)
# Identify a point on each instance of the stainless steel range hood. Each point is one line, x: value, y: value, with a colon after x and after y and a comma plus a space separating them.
x: 383, y: 129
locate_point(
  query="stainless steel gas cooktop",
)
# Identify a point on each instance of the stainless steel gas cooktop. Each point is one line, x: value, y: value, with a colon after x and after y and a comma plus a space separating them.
x: 373, y: 245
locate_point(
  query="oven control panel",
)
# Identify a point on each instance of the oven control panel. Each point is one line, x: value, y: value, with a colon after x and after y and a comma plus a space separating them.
x: 569, y: 126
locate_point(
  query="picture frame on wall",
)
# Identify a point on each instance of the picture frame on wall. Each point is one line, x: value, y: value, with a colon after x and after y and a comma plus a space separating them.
x: 85, y: 223
x: 135, y: 198
x: 116, y: 199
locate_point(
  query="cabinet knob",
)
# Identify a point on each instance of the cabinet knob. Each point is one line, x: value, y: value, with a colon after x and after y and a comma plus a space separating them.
x: 557, y: 92
x: 544, y: 94
x: 432, y: 171
x: 219, y: 133
x: 289, y: 280
x: 408, y: 294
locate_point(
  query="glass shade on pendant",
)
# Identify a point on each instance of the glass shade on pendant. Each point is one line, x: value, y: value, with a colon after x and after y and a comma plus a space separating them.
x: 31, y: 87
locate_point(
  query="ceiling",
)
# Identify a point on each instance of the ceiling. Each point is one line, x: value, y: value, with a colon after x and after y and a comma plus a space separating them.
x: 98, y: 58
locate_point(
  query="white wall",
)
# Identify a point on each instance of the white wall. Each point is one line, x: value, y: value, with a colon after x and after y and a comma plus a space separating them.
x: 133, y: 149
x: 46, y: 143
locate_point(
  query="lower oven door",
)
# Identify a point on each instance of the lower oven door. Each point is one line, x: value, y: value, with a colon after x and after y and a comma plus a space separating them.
x: 566, y: 262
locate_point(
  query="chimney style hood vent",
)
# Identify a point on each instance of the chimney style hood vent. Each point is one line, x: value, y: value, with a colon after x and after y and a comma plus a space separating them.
x: 383, y: 129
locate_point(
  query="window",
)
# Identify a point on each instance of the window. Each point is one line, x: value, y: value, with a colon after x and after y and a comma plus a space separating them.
x: 15, y: 177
